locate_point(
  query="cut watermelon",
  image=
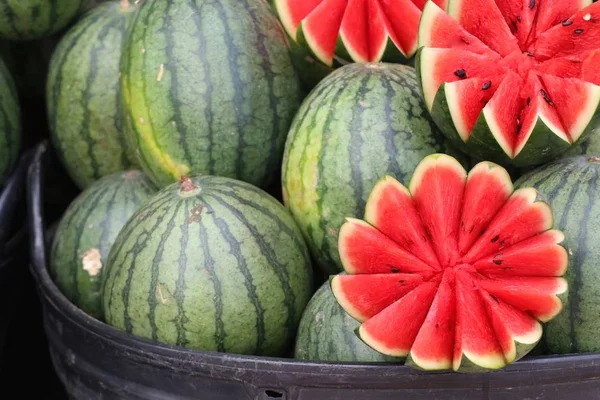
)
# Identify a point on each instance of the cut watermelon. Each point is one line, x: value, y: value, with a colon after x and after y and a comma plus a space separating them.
x: 492, y: 273
x: 354, y: 30
x: 515, y: 82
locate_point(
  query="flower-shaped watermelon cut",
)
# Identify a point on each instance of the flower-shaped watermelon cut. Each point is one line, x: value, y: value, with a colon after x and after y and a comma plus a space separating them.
x: 354, y: 30
x: 511, y: 81
x: 458, y: 271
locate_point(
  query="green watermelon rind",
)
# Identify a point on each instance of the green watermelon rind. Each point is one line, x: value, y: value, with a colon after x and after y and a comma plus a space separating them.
x: 90, y: 224
x: 37, y: 18
x: 220, y: 267
x: 83, y: 96
x: 208, y: 114
x: 570, y: 185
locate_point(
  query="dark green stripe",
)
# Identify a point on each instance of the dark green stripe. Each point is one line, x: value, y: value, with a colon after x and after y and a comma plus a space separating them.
x: 91, y: 207
x: 209, y: 264
x: 174, y: 89
x: 53, y: 14
x: 123, y: 238
x: 269, y: 254
x: 242, y: 266
x: 390, y: 146
x: 10, y: 16
x: 87, y: 94
x: 265, y: 212
x: 582, y: 245
x: 356, y: 142
x: 180, y: 283
x: 208, y: 79
x: 117, y: 190
x: 59, y: 60
x: 152, y: 301
x: 269, y: 75
x: 238, y: 85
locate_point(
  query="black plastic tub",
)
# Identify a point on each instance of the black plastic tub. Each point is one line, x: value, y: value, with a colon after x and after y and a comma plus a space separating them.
x: 13, y: 244
x: 95, y: 361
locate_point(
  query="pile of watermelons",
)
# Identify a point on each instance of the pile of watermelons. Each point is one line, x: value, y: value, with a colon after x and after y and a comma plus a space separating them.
x: 402, y: 181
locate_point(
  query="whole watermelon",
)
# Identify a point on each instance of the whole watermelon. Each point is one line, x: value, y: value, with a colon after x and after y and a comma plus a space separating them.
x: 361, y: 122
x: 86, y: 232
x: 34, y: 19
x: 83, y: 95
x: 10, y: 123
x: 326, y: 333
x: 210, y: 263
x: 209, y: 87
x: 571, y: 185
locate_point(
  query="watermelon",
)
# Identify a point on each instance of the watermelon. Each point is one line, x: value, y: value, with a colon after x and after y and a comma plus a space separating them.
x: 354, y: 30
x: 571, y: 185
x: 210, y: 263
x: 211, y: 92
x: 511, y: 81
x: 10, y: 123
x: 83, y: 96
x: 86, y: 232
x: 589, y: 145
x: 326, y: 333
x: 456, y: 271
x: 35, y: 19
x: 359, y: 123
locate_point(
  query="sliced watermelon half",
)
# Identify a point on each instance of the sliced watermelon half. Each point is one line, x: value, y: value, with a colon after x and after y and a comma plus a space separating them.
x: 514, y: 82
x: 354, y: 30
x: 456, y: 271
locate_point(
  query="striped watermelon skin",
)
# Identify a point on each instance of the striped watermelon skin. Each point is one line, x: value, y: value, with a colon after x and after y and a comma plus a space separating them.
x: 326, y: 333
x: 571, y: 185
x: 10, y: 122
x: 83, y: 96
x: 361, y: 122
x: 222, y: 267
x: 34, y: 19
x: 86, y: 232
x: 211, y: 92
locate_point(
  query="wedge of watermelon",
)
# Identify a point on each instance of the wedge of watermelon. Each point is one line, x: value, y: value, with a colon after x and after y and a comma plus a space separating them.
x: 354, y: 30
x: 515, y: 82
x: 457, y: 271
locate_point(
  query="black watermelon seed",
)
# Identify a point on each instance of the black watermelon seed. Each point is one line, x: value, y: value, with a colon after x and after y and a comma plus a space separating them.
x: 578, y: 31
x: 495, y: 238
x: 530, y: 54
x: 401, y: 281
x: 498, y: 262
x: 531, y: 4
x: 528, y: 100
x: 546, y: 97
x: 486, y: 85
x: 495, y: 298
x: 395, y: 270
x: 567, y: 23
x: 461, y: 73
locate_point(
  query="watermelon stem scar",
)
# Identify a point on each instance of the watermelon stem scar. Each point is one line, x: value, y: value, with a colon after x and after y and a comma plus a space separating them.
x: 456, y: 271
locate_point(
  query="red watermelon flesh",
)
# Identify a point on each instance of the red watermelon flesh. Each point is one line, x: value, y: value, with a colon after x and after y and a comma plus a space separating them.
x: 362, y: 29
x: 497, y: 274
x: 540, y: 56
